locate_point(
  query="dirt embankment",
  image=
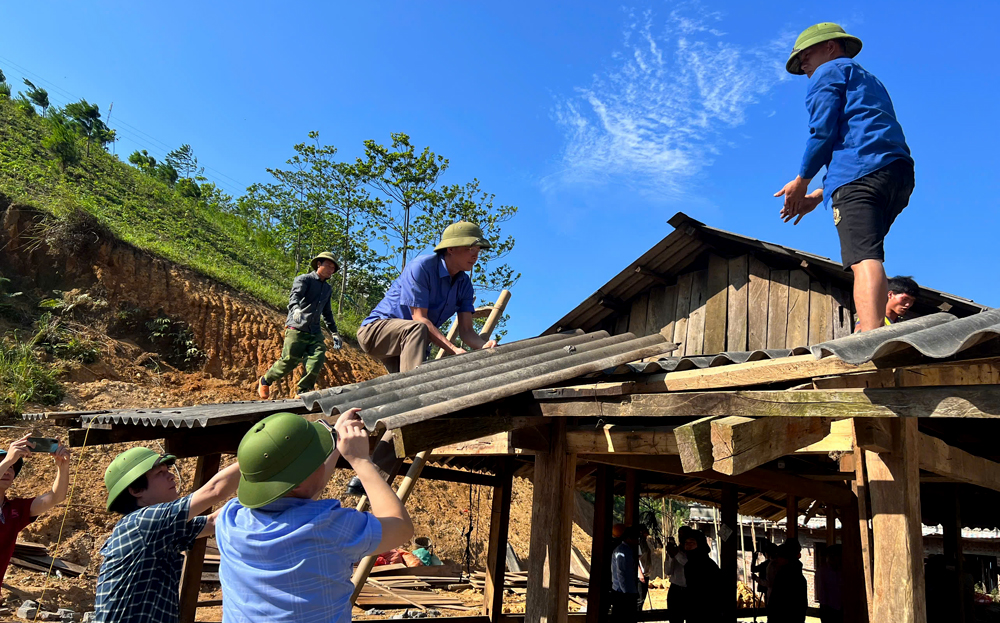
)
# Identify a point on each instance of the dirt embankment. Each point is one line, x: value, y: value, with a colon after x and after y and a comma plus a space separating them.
x: 240, y: 336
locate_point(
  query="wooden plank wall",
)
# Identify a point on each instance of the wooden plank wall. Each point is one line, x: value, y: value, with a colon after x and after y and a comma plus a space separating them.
x: 740, y: 304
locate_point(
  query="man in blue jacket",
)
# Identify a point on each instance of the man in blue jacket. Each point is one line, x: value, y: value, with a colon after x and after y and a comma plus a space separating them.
x: 309, y: 299
x: 854, y: 133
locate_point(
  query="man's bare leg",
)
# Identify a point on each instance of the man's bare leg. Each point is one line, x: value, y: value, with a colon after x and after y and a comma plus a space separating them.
x: 871, y: 293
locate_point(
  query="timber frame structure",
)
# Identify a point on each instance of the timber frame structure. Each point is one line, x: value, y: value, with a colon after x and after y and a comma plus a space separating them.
x: 884, y: 430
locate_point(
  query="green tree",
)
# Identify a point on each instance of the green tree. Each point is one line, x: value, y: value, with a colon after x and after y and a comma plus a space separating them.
x: 38, y: 96
x: 407, y: 181
x: 62, y: 142
x: 165, y: 173
x: 4, y: 90
x: 87, y: 119
x: 184, y: 161
x: 143, y: 161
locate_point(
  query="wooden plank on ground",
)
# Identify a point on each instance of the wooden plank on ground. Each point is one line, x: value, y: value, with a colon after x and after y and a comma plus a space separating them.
x: 785, y: 369
x: 950, y: 402
x: 717, y: 304
x: 797, y: 331
x: 681, y: 314
x: 820, y: 313
x: 938, y: 457
x: 760, y: 279
x: 740, y: 444
x: 694, y: 445
x: 842, y: 319
x: 637, y: 316
x: 662, y: 307
x: 777, y: 309
x: 695, y: 344
x: 736, y: 301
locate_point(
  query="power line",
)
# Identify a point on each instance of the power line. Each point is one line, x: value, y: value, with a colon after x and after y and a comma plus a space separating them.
x: 163, y: 147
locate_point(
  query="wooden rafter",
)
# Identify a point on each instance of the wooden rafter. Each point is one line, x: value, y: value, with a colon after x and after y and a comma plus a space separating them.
x: 740, y: 444
x: 938, y: 457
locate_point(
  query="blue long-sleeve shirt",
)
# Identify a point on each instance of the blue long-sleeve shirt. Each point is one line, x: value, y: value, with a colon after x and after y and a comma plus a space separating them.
x: 624, y: 574
x: 853, y: 129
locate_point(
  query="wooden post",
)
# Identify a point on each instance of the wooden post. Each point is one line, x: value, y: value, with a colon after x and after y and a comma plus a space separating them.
x: 831, y: 525
x: 898, y: 548
x: 207, y: 467
x: 952, y: 541
x: 600, y: 552
x: 551, y: 531
x: 855, y: 597
x: 727, y: 549
x: 631, y: 498
x: 403, y: 493
x: 863, y: 514
x: 496, y: 554
x: 791, y: 517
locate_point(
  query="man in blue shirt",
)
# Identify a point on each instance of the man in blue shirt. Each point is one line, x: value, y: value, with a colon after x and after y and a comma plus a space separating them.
x: 284, y: 555
x: 429, y: 291
x: 853, y: 131
x: 625, y: 577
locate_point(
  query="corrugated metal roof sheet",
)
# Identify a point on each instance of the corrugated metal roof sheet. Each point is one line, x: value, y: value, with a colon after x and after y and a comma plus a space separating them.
x: 691, y: 238
x: 178, y: 417
x: 455, y: 383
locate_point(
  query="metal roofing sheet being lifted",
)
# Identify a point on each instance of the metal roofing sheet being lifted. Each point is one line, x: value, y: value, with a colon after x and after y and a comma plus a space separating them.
x: 455, y: 383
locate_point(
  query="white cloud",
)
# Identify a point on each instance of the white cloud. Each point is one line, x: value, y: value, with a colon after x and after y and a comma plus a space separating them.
x: 658, y: 115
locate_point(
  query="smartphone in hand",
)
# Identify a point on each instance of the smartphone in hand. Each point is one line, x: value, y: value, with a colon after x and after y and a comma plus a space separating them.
x: 44, y: 444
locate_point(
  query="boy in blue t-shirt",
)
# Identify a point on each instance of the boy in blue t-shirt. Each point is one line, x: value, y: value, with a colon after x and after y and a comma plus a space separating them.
x: 284, y: 555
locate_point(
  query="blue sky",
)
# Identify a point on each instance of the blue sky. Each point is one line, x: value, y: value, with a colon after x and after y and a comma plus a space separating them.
x: 598, y: 120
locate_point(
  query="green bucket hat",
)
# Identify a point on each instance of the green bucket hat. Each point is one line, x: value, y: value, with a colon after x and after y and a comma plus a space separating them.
x: 463, y: 234
x: 128, y: 466
x: 819, y: 33
x: 325, y: 255
x: 277, y: 455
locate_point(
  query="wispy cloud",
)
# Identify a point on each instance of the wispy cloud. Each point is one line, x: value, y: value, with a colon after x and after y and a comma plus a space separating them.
x: 659, y: 114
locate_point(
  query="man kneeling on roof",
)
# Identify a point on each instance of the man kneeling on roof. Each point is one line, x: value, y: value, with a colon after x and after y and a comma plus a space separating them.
x: 902, y: 295
x: 141, y: 574
x: 431, y: 288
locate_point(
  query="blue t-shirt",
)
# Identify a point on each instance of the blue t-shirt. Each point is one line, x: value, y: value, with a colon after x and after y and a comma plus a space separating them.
x: 853, y: 129
x: 141, y: 573
x: 425, y: 282
x: 291, y: 560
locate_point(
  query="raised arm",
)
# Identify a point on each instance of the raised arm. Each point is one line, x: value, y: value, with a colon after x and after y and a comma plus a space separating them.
x: 397, y: 527
x: 220, y: 488
x: 467, y: 330
x: 57, y: 494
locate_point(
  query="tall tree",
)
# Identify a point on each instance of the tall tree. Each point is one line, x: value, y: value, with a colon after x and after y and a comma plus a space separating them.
x: 407, y: 180
x: 184, y: 161
x: 87, y: 119
x: 62, y: 142
x: 38, y: 96
x: 143, y: 161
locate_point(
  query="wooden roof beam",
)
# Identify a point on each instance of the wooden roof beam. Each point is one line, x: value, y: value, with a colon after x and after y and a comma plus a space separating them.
x: 762, y: 479
x: 740, y: 444
x: 652, y: 274
x: 981, y: 401
x: 938, y: 457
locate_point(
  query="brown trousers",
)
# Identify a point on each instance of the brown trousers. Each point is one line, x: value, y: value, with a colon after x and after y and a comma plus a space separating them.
x: 399, y: 344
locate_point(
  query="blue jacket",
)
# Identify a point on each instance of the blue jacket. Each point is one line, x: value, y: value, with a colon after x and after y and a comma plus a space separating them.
x: 853, y: 129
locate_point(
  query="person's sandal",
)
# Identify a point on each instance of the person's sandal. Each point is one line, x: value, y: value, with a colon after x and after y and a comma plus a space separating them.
x: 263, y: 389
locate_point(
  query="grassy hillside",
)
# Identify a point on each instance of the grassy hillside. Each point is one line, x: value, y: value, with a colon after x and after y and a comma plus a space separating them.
x: 138, y: 209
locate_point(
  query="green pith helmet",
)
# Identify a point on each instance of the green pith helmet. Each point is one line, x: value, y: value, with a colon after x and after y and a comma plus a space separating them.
x: 818, y: 34
x: 277, y: 455
x: 128, y: 466
x: 325, y: 255
x: 463, y: 234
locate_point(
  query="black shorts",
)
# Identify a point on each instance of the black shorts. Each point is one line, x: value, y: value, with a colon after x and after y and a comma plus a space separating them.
x: 865, y: 209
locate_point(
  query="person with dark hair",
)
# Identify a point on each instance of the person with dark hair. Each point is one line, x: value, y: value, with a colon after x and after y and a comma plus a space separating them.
x: 307, y: 302
x: 676, y: 558
x: 759, y: 570
x: 17, y: 513
x: 854, y: 133
x: 704, y: 581
x: 624, y: 577
x: 788, y: 600
x: 903, y: 293
x: 140, y: 575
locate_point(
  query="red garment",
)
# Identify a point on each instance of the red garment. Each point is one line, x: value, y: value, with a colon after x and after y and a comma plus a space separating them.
x: 16, y: 515
x: 410, y: 560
